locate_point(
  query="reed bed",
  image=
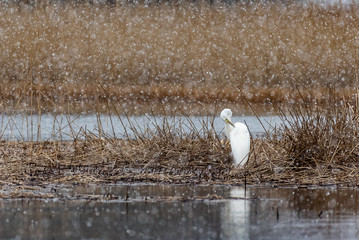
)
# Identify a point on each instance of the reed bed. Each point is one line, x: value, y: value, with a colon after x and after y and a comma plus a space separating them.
x: 171, y: 51
x: 162, y: 155
x: 315, y: 146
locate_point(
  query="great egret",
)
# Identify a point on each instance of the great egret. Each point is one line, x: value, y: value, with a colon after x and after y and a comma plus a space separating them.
x: 238, y: 135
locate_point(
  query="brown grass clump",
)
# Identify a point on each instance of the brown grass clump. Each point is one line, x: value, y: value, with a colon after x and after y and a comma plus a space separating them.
x: 315, y: 146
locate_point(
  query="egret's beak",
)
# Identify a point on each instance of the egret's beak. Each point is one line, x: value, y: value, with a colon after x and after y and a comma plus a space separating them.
x: 229, y: 122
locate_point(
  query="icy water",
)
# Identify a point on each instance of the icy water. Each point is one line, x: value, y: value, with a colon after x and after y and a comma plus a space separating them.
x: 68, y: 127
x: 265, y: 213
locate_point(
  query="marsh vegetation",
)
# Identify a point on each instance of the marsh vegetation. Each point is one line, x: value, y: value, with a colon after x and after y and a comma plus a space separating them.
x: 314, y: 146
x: 298, y: 61
x: 193, y: 55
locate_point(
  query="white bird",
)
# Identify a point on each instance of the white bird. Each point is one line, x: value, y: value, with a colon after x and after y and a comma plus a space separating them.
x: 238, y: 136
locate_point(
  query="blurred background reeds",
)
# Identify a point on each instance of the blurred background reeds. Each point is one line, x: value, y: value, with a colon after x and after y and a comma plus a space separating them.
x: 174, y: 52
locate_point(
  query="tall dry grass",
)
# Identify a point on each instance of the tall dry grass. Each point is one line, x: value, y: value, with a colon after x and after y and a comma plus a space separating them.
x: 186, y: 45
x: 170, y: 152
x: 315, y: 145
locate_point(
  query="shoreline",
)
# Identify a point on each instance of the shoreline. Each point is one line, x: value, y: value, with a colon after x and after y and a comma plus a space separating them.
x: 161, y: 99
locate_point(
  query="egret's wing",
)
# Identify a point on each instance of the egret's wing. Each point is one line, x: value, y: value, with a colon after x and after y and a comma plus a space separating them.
x: 240, y: 143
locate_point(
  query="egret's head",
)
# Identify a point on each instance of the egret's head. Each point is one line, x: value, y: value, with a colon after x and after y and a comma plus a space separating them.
x: 226, y: 115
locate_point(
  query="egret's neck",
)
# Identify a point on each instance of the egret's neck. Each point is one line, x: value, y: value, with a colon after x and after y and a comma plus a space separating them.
x: 228, y: 129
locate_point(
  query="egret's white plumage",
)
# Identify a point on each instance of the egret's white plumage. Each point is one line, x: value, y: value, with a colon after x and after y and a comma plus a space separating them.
x: 238, y: 136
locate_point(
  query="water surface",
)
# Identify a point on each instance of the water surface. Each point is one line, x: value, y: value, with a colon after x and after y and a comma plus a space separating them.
x: 267, y: 213
x: 68, y: 127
